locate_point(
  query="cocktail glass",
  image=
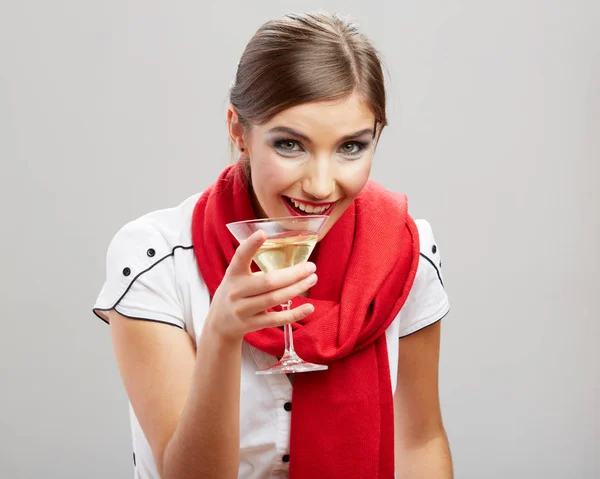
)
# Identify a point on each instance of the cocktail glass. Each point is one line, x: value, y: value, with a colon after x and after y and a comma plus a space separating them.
x: 290, y: 240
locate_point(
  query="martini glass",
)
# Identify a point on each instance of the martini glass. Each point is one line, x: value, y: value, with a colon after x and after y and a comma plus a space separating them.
x: 290, y: 240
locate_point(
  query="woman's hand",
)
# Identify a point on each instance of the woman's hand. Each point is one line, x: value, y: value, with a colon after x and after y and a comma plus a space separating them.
x: 240, y: 302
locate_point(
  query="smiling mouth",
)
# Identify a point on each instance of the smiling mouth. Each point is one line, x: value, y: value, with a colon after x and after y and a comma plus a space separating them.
x: 301, y: 208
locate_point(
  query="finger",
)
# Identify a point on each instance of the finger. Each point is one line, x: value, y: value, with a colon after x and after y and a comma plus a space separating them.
x: 240, y: 263
x: 281, y: 318
x: 257, y: 304
x: 263, y: 283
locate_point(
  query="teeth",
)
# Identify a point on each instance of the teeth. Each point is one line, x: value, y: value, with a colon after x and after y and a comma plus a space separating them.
x: 309, y: 208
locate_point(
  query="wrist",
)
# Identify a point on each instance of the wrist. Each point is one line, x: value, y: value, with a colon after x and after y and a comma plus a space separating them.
x: 215, y: 336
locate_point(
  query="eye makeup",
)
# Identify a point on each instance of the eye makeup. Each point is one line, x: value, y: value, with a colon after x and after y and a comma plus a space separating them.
x: 290, y: 148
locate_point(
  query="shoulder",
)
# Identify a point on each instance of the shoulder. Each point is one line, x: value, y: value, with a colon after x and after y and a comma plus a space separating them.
x: 168, y: 227
x: 144, y: 265
x: 150, y: 239
x: 427, y: 301
x: 429, y: 248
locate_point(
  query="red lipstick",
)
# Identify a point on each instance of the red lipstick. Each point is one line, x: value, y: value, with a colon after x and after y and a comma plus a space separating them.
x: 296, y: 212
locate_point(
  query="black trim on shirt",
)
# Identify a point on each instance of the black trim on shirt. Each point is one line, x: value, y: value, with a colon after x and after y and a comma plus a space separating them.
x: 424, y: 327
x: 135, y: 317
x: 435, y: 267
x: 172, y: 253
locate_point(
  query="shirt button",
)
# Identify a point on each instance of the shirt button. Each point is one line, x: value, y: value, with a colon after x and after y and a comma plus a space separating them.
x: 286, y: 458
x: 151, y: 252
x: 287, y: 406
x: 434, y: 249
x: 126, y: 271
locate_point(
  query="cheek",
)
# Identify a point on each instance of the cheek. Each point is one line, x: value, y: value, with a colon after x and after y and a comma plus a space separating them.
x: 269, y: 175
x: 351, y: 183
x: 354, y: 179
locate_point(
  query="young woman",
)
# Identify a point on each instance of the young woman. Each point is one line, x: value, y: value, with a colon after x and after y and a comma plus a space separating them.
x: 192, y: 323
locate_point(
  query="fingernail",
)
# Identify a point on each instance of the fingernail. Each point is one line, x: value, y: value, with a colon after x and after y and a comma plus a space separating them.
x: 311, y: 267
x: 312, y: 279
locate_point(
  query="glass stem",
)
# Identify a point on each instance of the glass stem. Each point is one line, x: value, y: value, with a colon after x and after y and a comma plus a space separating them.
x: 287, y: 332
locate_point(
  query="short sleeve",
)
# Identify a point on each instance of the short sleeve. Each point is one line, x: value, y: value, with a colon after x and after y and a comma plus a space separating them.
x: 427, y: 301
x: 140, y: 277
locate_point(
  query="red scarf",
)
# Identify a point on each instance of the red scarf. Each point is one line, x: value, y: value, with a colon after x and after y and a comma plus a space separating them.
x: 342, y: 419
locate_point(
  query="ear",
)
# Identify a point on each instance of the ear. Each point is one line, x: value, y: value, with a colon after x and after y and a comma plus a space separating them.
x: 235, y: 129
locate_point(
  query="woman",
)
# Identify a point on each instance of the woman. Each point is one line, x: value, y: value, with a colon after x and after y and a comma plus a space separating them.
x: 307, y: 108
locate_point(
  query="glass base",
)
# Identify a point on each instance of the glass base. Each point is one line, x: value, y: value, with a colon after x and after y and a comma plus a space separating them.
x: 290, y: 365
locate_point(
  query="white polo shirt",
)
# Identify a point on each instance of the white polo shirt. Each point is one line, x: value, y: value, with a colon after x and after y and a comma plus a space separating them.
x: 152, y: 275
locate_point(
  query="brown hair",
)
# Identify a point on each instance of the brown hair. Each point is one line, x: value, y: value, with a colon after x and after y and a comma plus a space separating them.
x: 303, y: 58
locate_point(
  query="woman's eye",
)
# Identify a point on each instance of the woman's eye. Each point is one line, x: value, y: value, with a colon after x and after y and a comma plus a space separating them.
x: 287, y: 146
x: 352, y: 148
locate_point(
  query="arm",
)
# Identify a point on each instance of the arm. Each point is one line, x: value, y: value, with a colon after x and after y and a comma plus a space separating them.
x: 421, y: 444
x: 187, y: 403
x: 186, y: 400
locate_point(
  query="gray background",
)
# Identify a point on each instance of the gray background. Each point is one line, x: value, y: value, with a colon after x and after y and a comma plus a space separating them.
x: 110, y: 109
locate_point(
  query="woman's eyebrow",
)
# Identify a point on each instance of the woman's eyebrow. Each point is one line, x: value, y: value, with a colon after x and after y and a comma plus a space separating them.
x: 290, y: 131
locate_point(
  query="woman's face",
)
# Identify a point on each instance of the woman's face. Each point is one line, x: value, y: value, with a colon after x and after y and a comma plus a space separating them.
x: 313, y: 158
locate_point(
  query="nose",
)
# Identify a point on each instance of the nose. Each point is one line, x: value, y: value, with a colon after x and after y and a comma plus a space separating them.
x: 319, y: 182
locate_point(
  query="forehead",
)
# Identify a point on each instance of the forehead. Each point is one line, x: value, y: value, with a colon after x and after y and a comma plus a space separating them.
x: 326, y: 119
